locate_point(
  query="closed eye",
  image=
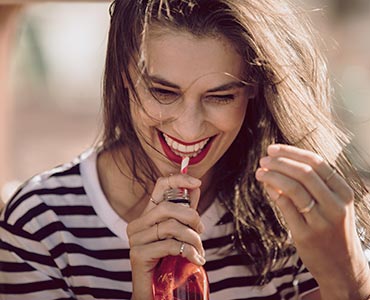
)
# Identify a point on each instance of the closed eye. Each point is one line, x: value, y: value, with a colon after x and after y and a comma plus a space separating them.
x: 221, y: 99
x: 164, y: 96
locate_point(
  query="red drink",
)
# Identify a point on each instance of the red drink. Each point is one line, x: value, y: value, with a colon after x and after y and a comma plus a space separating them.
x: 175, y: 278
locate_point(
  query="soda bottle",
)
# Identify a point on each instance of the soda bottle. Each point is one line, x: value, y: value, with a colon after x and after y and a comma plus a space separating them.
x: 176, y: 278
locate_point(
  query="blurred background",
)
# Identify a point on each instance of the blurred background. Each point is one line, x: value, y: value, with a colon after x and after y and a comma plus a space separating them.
x: 56, y: 68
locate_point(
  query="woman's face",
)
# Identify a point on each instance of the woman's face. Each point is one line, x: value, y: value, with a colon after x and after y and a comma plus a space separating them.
x: 195, y: 103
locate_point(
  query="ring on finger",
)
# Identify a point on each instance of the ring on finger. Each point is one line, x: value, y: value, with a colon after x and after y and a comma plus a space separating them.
x: 332, y: 173
x: 182, y: 248
x: 308, y: 208
x: 157, y: 231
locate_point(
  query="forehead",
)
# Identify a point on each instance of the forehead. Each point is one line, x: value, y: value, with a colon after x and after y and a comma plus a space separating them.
x: 182, y: 57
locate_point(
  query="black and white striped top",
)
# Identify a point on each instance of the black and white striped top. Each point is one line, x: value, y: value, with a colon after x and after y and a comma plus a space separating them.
x: 60, y: 239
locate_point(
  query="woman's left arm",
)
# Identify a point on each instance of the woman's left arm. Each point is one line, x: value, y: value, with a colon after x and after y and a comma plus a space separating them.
x: 318, y: 206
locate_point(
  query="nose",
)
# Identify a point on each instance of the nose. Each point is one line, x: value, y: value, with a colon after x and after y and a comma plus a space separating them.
x: 190, y: 123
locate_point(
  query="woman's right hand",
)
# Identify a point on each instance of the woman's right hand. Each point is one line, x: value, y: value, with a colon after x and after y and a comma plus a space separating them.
x: 161, y: 230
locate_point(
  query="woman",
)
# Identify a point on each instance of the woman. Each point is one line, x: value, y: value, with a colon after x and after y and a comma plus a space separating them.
x: 239, y: 88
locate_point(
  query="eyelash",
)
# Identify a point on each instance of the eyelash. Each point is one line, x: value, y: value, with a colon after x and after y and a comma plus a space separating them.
x: 221, y: 99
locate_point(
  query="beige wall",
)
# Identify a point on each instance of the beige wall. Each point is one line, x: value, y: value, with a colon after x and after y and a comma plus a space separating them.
x: 8, y: 23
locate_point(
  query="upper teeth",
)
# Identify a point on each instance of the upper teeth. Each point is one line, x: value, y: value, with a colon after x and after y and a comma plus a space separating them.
x: 187, y: 150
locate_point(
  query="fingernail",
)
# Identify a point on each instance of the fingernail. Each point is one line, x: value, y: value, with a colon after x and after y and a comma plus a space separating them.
x: 260, y: 173
x: 265, y: 160
x: 273, y: 148
x: 194, y: 181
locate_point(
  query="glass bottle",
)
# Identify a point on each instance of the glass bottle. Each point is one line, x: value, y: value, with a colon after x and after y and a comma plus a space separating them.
x: 176, y: 278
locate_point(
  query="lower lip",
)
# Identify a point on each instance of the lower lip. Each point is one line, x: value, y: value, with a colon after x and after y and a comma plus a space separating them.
x: 177, y: 159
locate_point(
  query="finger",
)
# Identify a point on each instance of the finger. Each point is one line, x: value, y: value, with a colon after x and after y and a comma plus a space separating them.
x: 172, y: 181
x: 140, y: 254
x: 194, y: 198
x: 290, y: 188
x: 169, y: 229
x: 305, y: 175
x: 164, y: 211
x: 323, y: 169
x: 293, y: 219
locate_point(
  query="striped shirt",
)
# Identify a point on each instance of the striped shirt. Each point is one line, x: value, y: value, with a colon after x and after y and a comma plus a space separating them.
x: 60, y: 239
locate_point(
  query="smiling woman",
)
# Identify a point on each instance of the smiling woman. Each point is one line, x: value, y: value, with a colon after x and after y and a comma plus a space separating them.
x: 276, y: 206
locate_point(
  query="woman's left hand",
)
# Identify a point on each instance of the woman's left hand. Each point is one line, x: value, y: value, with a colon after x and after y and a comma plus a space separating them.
x: 318, y: 207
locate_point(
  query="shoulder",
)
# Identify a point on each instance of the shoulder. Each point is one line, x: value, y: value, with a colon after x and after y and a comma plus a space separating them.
x: 49, y: 194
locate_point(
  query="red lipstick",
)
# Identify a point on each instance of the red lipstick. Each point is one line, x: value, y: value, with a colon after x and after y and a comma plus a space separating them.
x: 176, y: 158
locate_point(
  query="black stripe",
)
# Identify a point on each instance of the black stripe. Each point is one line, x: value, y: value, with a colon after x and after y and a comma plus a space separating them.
x: 33, y: 287
x: 242, y: 260
x: 218, y: 242
x: 233, y: 282
x: 74, y: 170
x: 30, y: 214
x: 99, y: 293
x: 84, y: 210
x: 226, y: 218
x: 231, y: 260
x: 26, y: 255
x: 99, y: 254
x: 77, y: 232
x: 15, y: 267
x: 16, y: 230
x: 58, y: 210
x: 96, y: 272
x: 56, y: 191
x: 250, y: 281
x: 307, y: 285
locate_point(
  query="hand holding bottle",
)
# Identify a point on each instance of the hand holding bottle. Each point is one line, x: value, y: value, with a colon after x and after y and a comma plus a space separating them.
x: 161, y: 231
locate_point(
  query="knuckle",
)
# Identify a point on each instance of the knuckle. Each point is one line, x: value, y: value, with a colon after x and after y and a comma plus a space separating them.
x: 306, y: 172
x: 340, y: 213
x: 161, y: 181
x: 318, y: 160
x: 135, y: 254
x: 170, y: 229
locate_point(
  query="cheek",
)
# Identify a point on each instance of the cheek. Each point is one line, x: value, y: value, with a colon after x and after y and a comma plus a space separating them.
x: 234, y: 120
x: 140, y: 118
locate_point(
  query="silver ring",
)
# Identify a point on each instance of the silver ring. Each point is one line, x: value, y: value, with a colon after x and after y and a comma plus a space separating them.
x: 308, y: 208
x: 332, y: 173
x: 182, y: 248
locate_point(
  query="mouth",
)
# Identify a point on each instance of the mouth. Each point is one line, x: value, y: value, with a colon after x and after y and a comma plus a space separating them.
x: 175, y: 150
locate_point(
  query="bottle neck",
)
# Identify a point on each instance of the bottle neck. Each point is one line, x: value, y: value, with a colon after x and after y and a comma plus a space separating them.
x: 177, y: 195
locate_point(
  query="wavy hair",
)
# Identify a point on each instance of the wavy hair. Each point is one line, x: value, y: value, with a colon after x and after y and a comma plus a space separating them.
x: 292, y: 106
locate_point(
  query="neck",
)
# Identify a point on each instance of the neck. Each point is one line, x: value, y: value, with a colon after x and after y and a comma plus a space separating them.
x: 126, y: 196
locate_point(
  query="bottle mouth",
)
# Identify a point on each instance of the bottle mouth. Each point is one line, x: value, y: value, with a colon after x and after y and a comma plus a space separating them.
x: 177, y: 195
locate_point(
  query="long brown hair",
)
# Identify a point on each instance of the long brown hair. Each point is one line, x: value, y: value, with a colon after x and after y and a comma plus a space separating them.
x: 293, y: 104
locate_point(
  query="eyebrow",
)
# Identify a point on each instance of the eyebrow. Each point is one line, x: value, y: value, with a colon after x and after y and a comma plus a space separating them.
x: 221, y: 88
